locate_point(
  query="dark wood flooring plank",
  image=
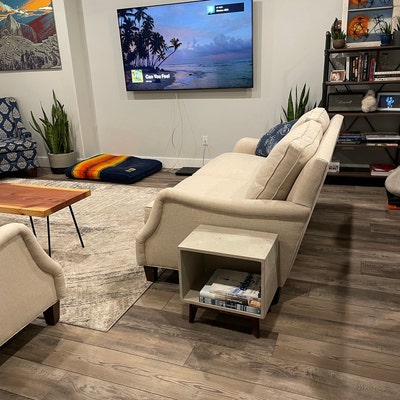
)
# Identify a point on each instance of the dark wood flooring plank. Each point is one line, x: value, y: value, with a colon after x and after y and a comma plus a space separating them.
x: 291, y: 376
x: 135, y: 372
x: 25, y: 378
x: 338, y: 312
x: 343, y: 358
x: 81, y: 387
x: 307, y: 327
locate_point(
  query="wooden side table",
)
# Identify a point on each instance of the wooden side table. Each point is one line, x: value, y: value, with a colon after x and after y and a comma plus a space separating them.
x: 210, y: 247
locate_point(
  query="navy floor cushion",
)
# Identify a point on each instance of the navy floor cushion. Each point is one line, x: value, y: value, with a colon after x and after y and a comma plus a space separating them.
x: 112, y: 168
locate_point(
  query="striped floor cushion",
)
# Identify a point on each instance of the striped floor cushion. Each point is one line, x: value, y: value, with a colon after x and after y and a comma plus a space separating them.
x: 112, y: 168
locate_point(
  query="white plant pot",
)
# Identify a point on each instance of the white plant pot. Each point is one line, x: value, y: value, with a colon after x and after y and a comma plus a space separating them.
x: 58, y: 162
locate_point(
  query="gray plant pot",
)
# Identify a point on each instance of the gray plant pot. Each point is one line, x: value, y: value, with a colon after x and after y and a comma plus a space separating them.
x: 338, y: 43
x: 58, y: 162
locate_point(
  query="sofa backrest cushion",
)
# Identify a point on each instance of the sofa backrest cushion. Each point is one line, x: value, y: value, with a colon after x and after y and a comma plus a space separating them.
x: 280, y: 169
x: 317, y: 114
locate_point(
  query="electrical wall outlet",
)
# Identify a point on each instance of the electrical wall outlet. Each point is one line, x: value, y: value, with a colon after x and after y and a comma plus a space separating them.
x: 205, y: 140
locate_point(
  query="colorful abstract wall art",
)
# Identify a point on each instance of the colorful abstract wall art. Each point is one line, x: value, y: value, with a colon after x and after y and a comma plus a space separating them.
x: 28, y: 38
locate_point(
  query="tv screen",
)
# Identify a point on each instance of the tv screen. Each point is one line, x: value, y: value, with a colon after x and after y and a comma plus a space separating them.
x: 192, y: 45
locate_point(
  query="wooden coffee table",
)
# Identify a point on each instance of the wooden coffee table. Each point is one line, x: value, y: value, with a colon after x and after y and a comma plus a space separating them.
x: 39, y: 201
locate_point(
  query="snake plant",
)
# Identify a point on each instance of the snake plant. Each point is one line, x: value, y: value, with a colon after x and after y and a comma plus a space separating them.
x: 55, y: 130
x: 299, y: 105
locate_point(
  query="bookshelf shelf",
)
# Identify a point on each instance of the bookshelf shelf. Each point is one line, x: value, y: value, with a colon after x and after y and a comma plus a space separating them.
x: 208, y: 248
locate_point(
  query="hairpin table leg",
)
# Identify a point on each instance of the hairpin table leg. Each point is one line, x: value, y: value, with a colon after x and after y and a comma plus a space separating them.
x: 48, y: 235
x: 76, y: 226
x: 32, y: 225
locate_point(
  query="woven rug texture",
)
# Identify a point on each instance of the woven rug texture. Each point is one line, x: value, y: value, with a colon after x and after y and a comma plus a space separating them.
x: 103, y: 279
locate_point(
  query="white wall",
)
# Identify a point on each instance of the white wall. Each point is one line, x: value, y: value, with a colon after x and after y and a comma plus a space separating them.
x: 289, y: 38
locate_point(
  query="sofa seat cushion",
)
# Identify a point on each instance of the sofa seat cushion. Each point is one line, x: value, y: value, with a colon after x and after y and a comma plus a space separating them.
x: 114, y: 168
x: 280, y: 169
x: 226, y: 176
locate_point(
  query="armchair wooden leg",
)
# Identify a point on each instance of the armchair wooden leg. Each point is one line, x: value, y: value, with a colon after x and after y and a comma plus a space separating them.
x: 34, y: 172
x: 52, y: 314
x: 151, y: 273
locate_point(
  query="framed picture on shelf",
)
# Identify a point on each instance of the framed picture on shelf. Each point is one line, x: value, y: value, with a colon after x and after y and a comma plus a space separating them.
x: 364, y: 20
x: 338, y: 75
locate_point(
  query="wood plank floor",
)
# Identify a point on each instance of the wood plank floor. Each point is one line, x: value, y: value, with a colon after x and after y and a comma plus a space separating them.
x: 333, y: 335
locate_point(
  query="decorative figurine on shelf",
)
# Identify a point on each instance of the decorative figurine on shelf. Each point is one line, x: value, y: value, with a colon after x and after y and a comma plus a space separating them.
x: 369, y: 103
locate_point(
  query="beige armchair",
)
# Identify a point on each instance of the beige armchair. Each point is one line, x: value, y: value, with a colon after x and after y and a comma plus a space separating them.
x: 31, y: 282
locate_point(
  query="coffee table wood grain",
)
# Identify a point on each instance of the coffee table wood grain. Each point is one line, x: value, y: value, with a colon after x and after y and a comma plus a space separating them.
x: 39, y: 201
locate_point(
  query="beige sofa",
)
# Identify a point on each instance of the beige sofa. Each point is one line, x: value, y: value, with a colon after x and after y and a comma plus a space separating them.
x: 242, y: 190
x: 31, y: 282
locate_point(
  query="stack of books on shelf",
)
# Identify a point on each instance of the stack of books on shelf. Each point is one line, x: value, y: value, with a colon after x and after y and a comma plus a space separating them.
x: 381, y: 169
x: 350, y: 138
x: 387, y: 76
x: 238, y: 290
x: 385, y: 139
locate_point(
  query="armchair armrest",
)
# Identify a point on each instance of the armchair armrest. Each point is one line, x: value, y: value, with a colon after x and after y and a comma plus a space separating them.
x: 31, y: 282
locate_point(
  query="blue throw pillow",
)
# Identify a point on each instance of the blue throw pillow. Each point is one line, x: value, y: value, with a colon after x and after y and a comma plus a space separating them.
x: 272, y: 137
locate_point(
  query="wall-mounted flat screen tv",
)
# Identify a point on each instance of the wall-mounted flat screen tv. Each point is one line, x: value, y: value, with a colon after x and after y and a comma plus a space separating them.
x: 191, y: 45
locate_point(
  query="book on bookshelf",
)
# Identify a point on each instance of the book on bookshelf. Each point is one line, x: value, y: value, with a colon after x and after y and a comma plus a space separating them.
x: 387, y: 78
x: 383, y: 73
x: 381, y: 169
x: 382, y: 144
x: 388, y: 136
x: 350, y: 138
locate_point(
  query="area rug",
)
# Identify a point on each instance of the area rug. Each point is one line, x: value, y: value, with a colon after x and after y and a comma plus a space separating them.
x: 103, y: 279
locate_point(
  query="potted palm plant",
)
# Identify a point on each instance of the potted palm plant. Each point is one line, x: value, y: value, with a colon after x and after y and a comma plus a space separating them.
x: 386, y: 34
x: 56, y: 133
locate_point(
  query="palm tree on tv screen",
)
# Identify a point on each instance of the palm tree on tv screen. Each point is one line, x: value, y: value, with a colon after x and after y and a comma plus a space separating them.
x: 142, y: 47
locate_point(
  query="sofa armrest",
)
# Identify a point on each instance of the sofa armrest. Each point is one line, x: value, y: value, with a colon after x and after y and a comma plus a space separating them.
x: 175, y: 214
x: 246, y: 145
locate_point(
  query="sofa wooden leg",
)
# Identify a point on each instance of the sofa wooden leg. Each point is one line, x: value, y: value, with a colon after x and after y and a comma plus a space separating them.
x: 151, y: 273
x: 52, y: 314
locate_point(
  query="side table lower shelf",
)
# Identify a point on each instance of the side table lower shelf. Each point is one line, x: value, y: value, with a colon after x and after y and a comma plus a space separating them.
x: 209, y: 248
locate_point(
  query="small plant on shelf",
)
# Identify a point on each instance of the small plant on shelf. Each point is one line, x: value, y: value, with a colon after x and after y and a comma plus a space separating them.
x: 338, y: 35
x: 386, y: 33
x: 386, y: 28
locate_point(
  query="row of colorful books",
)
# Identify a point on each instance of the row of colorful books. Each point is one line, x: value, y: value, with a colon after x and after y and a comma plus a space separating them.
x: 238, y: 290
